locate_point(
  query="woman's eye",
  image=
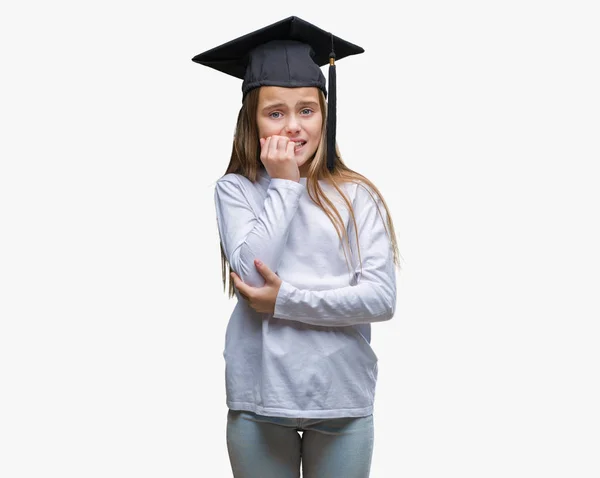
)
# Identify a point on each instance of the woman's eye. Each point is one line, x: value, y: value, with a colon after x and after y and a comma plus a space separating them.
x: 275, y: 113
x: 307, y: 110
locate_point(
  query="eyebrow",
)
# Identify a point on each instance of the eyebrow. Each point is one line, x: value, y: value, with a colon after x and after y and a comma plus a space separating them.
x: 300, y: 103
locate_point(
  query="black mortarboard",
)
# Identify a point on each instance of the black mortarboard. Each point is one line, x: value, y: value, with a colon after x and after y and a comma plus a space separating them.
x: 287, y: 53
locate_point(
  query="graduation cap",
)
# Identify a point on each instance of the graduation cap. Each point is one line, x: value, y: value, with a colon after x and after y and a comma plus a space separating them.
x: 287, y: 53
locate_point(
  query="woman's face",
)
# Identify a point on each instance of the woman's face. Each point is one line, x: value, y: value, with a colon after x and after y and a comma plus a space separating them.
x: 291, y: 112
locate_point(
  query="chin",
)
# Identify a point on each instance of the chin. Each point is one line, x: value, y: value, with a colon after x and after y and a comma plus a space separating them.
x: 306, y: 158
x: 303, y: 161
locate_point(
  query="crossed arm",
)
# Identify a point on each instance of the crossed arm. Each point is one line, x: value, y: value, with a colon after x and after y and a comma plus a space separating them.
x: 246, y: 237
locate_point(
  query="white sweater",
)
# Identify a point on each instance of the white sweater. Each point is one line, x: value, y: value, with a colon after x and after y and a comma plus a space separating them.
x: 312, y: 358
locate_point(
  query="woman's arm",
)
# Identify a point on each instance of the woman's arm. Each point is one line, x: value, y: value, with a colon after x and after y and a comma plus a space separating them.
x: 246, y: 236
x: 372, y: 299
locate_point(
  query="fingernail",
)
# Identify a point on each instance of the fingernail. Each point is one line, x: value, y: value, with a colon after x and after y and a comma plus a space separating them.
x: 258, y: 263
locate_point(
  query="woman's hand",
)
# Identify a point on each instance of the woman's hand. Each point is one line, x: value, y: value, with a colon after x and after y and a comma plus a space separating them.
x: 262, y: 299
x: 277, y: 154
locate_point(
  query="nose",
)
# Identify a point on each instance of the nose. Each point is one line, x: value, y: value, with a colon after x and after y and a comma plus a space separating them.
x: 293, y: 125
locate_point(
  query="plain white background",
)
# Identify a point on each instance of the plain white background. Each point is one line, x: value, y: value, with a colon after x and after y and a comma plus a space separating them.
x: 477, y: 120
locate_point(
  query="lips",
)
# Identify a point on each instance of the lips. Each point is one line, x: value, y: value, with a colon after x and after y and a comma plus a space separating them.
x: 299, y: 145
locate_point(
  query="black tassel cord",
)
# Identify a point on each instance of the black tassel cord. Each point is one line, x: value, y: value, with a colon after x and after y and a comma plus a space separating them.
x: 331, y: 114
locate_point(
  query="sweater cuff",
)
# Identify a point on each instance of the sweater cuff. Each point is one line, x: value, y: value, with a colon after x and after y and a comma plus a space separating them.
x: 286, y: 183
x: 282, y: 297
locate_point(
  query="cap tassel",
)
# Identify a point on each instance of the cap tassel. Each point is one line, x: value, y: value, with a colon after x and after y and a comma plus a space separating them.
x: 331, y: 113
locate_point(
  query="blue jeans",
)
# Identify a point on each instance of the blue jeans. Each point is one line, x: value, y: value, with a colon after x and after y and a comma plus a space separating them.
x: 271, y: 447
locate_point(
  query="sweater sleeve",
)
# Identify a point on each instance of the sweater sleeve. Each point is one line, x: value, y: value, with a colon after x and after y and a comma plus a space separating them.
x: 372, y: 298
x: 246, y: 235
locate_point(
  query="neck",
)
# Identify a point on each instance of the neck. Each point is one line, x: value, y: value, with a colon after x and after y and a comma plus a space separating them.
x: 304, y: 169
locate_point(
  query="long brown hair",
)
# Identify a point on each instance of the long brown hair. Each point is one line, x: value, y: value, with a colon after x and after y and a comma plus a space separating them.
x: 245, y: 160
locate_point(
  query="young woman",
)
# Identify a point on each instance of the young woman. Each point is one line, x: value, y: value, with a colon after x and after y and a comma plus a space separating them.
x: 312, y: 252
